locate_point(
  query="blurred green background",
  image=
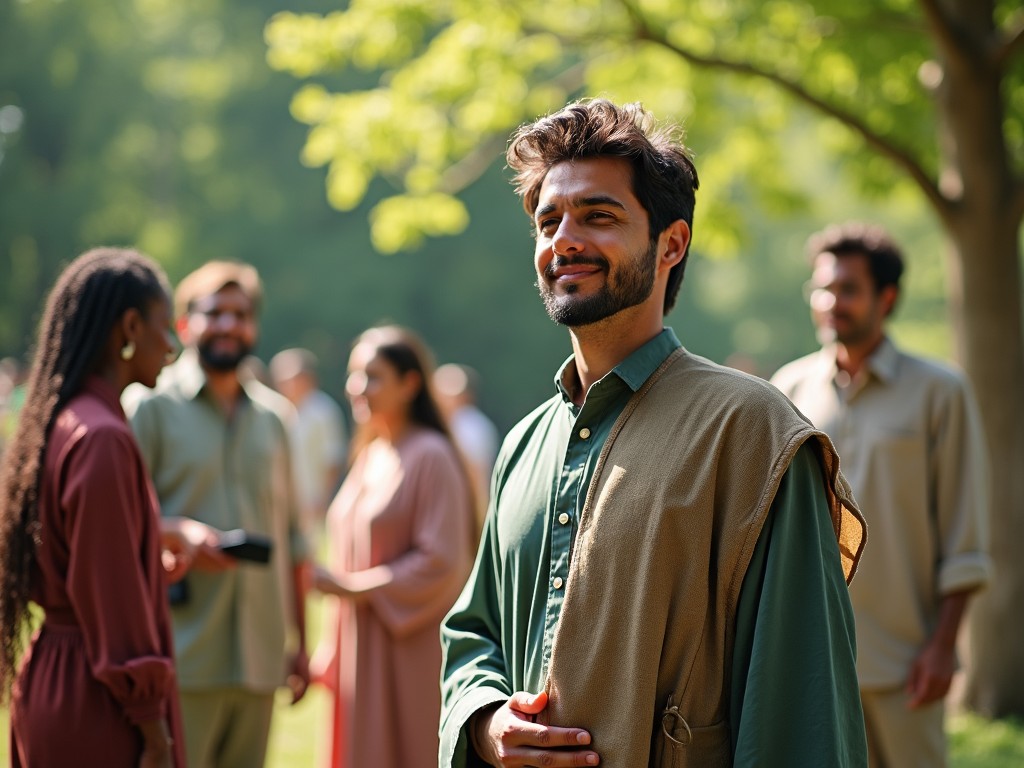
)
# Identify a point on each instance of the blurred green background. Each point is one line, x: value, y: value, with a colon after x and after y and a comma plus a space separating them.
x: 159, y: 123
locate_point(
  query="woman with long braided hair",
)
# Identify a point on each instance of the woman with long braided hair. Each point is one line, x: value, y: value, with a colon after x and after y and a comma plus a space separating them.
x: 80, y: 531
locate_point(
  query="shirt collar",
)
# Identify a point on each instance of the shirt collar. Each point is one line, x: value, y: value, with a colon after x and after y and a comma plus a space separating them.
x: 881, y: 363
x: 883, y: 360
x: 633, y: 371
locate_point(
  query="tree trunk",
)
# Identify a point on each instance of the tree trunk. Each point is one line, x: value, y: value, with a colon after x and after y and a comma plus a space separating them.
x: 983, y: 221
x: 993, y: 350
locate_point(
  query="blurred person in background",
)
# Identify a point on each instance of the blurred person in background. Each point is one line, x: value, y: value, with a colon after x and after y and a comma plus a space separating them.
x: 401, y: 539
x: 317, y: 431
x: 218, y: 451
x: 80, y: 531
x: 456, y: 387
x: 909, y: 435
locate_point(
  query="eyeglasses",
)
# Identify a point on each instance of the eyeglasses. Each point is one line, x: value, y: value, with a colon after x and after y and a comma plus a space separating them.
x: 817, y: 295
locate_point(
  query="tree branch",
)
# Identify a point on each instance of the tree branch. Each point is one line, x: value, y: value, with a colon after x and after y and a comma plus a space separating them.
x: 900, y: 157
x: 468, y: 169
x: 1012, y: 45
x: 896, y: 154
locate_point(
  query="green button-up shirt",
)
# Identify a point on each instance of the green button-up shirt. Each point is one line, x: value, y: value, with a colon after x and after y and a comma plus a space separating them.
x: 794, y: 696
x: 229, y: 473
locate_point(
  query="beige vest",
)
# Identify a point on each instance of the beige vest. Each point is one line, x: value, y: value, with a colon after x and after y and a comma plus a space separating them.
x: 643, y: 650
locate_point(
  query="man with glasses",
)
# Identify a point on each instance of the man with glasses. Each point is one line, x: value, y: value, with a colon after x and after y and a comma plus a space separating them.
x: 216, y: 445
x: 910, y: 444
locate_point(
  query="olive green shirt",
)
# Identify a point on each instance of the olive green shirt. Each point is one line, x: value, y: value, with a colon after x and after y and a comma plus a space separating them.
x: 232, y: 631
x: 794, y: 698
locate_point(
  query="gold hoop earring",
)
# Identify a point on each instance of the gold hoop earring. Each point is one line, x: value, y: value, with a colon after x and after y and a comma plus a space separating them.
x: 128, y: 351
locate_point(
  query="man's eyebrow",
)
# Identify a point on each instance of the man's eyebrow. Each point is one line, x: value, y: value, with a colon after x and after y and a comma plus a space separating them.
x: 581, y: 202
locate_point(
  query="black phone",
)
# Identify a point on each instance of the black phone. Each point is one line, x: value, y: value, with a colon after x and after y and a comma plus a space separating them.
x: 252, y: 547
x: 178, y: 593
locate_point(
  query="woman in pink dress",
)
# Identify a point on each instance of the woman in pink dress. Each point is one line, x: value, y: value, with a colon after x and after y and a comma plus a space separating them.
x: 80, y: 532
x: 402, y: 534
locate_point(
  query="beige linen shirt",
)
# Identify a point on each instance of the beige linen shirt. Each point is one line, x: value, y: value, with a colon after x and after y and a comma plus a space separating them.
x: 230, y: 473
x: 910, y: 445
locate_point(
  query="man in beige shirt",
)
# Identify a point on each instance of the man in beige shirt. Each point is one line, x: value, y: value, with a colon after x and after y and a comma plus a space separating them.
x: 910, y: 444
x: 217, y: 449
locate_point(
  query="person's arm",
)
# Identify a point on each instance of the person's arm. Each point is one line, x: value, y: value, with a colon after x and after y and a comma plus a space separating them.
x: 931, y: 673
x: 108, y: 581
x: 300, y: 555
x: 958, y: 471
x: 473, y: 672
x: 298, y: 674
x: 421, y: 584
x: 795, y: 700
x: 157, y: 745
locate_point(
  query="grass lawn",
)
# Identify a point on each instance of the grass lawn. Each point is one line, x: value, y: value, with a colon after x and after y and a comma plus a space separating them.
x: 299, y: 733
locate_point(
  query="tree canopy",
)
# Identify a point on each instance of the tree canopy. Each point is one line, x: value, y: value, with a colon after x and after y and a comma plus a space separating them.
x: 925, y: 94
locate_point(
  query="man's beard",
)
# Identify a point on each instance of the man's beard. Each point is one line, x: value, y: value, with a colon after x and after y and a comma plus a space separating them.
x: 631, y: 285
x: 220, y: 360
x: 853, y: 332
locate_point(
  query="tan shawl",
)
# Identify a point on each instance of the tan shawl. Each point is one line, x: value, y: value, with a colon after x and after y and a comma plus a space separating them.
x: 681, y: 491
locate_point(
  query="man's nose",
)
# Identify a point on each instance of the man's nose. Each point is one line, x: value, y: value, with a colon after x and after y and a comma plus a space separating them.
x: 567, y: 238
x: 226, y: 321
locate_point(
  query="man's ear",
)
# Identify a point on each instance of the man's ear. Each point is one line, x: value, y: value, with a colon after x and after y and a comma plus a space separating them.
x: 888, y: 296
x: 672, y: 244
x: 181, y: 328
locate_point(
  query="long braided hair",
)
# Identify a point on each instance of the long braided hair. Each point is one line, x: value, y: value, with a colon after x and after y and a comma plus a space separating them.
x: 89, y: 297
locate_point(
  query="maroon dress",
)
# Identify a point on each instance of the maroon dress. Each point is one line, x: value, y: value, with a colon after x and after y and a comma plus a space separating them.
x: 103, y: 660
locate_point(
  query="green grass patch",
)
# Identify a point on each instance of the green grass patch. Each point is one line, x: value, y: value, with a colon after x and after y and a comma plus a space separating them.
x: 975, y: 742
x: 299, y: 737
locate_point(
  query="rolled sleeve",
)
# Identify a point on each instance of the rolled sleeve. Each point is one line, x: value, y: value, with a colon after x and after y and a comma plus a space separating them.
x: 960, y: 469
x: 965, y: 572
x: 140, y: 685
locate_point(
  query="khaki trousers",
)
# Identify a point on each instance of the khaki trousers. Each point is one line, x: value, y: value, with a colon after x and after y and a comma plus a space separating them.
x: 899, y: 737
x: 226, y: 727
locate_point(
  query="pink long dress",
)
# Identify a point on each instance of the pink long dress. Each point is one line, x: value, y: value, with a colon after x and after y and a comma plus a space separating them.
x: 102, y: 660
x: 406, y: 506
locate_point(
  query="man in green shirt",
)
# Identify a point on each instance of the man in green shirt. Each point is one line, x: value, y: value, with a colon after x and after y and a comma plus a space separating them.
x: 216, y: 446
x: 659, y: 580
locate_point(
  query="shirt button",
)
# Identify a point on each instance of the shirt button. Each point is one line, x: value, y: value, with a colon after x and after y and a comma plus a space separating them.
x: 557, y: 583
x: 584, y: 433
x: 563, y: 518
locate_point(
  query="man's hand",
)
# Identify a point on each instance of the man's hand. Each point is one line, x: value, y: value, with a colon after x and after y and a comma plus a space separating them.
x: 930, y: 674
x: 176, y: 554
x: 209, y: 556
x: 298, y: 675
x: 508, y: 736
